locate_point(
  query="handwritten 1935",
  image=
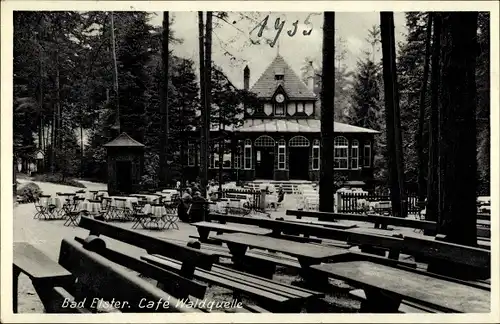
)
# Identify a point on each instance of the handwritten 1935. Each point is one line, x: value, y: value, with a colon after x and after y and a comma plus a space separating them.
x: 279, y: 23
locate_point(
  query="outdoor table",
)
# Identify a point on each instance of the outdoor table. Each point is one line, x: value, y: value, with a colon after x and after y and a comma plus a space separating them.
x: 123, y: 204
x: 92, y: 207
x: 148, y: 197
x: 386, y: 286
x: 169, y: 191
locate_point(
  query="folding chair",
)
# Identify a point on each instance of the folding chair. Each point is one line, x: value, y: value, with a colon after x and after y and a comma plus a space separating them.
x: 139, y: 216
x: 171, y: 219
x: 72, y: 218
x: 41, y: 206
x: 156, y: 217
x: 106, y: 209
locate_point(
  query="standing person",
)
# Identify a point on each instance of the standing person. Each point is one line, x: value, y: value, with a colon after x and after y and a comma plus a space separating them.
x: 184, y: 206
x: 178, y: 185
x: 197, y: 212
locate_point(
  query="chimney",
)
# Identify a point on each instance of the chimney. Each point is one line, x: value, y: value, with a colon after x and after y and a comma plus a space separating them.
x: 246, y: 78
x: 311, y: 77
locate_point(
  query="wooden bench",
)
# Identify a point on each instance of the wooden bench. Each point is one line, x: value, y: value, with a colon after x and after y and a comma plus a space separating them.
x: 275, y: 296
x: 378, y: 220
x: 88, y: 282
x: 44, y: 272
x: 323, y: 223
x: 189, y: 257
x: 384, y: 292
x: 477, y: 260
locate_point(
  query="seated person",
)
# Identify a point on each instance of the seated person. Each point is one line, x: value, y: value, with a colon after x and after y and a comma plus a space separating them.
x: 197, y: 210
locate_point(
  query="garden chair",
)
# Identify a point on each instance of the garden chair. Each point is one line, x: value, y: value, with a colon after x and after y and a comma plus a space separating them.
x: 41, y: 206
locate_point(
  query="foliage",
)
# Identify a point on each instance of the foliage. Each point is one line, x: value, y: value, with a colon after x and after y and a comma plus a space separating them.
x: 367, y: 105
x: 28, y: 192
x: 58, y: 178
x: 410, y: 70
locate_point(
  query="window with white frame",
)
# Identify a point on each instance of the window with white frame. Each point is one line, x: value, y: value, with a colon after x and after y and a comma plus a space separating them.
x: 281, y: 154
x: 214, y: 157
x: 191, y: 155
x: 299, y: 141
x: 341, y: 152
x: 354, y: 154
x: 247, y: 155
x: 367, y: 155
x: 264, y: 141
x: 301, y: 107
x: 315, y: 155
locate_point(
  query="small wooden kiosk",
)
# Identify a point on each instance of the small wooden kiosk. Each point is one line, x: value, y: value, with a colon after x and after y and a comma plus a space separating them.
x: 125, y: 164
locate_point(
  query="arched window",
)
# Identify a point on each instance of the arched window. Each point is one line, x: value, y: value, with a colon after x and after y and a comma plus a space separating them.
x: 341, y: 152
x: 354, y: 154
x: 247, y: 155
x: 265, y: 141
x: 315, y: 155
x: 281, y: 154
x: 367, y: 154
x: 299, y: 141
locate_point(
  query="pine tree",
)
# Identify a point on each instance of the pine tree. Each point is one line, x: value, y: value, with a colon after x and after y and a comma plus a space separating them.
x: 366, y: 104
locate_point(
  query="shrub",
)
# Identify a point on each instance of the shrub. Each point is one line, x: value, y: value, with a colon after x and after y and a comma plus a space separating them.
x: 28, y: 192
x: 59, y: 179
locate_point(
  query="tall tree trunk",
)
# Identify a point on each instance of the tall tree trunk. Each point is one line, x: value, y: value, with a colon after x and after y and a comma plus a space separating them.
x: 81, y: 149
x: 457, y: 141
x: 163, y: 176
x: 203, y: 140
x: 115, y: 75
x: 326, y: 180
x: 183, y: 138
x: 55, y: 123
x: 208, y: 91
x: 421, y: 115
x: 394, y: 143
x: 432, y: 210
x: 40, y: 103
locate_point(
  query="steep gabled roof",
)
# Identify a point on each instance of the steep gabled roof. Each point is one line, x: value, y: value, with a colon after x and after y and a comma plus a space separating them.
x: 124, y: 140
x: 295, y: 88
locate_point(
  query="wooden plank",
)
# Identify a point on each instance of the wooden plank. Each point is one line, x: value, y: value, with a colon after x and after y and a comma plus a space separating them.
x: 171, y: 282
x: 149, y: 243
x: 360, y: 256
x: 37, y: 265
x: 201, y: 274
x: 472, y: 256
x: 270, y: 284
x: 403, y: 308
x: 109, y: 280
x: 314, y: 230
x: 425, y: 290
x: 310, y: 251
x: 231, y: 229
x: 378, y: 219
x: 322, y: 223
x: 59, y: 296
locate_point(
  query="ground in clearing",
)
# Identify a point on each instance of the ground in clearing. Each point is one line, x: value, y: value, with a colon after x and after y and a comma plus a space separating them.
x: 47, y: 236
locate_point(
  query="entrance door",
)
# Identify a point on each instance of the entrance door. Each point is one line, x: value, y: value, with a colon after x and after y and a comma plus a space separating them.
x: 264, y: 166
x: 299, y: 163
x: 124, y: 176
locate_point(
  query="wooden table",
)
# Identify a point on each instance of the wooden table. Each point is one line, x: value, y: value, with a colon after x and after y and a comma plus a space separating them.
x: 385, y: 287
x: 306, y: 253
x: 204, y: 229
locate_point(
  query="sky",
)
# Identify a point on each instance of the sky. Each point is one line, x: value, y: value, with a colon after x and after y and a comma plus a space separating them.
x: 233, y: 36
